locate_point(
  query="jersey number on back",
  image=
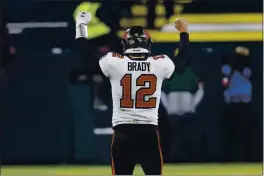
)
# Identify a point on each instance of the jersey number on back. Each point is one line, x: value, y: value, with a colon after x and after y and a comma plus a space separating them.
x: 140, y: 102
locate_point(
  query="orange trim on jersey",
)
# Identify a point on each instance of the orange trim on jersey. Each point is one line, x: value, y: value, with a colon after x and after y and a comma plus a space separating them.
x: 112, y: 164
x: 147, y: 34
x: 160, y: 151
x: 125, y: 34
x: 158, y: 57
x: 118, y: 55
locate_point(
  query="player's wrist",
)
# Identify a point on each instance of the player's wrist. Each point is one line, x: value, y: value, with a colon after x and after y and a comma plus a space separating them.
x: 81, y: 31
x: 184, y: 35
x: 79, y: 22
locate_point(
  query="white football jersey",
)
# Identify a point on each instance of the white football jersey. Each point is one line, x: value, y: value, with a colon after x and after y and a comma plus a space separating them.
x: 136, y: 86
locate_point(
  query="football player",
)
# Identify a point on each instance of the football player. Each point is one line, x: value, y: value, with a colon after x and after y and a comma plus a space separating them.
x: 136, y: 78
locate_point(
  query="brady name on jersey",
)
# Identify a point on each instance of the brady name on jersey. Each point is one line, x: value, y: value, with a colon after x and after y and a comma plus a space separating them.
x: 136, y: 79
x: 136, y: 86
x: 138, y: 66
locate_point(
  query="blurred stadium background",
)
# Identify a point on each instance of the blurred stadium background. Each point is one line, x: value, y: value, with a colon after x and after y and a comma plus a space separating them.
x: 55, y: 124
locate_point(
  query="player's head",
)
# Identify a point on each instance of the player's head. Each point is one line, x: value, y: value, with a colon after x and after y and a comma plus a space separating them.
x: 136, y: 42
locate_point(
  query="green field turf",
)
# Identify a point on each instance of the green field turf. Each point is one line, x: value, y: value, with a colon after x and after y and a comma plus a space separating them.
x: 169, y: 169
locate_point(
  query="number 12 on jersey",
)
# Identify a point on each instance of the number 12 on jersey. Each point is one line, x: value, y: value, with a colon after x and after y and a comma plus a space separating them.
x: 140, y: 103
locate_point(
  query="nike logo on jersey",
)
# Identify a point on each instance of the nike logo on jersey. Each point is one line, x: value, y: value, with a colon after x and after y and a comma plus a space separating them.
x: 138, y: 66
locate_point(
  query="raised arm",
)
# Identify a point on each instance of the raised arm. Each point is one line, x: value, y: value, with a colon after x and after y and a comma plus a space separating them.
x: 89, y: 62
x: 184, y: 48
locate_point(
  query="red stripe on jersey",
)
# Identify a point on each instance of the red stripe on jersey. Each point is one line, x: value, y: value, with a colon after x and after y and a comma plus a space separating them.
x: 112, y: 158
x: 160, y: 151
x: 147, y: 34
x: 125, y: 35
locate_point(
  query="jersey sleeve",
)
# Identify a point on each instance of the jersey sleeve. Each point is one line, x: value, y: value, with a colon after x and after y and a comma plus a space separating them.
x: 105, y: 65
x: 168, y: 67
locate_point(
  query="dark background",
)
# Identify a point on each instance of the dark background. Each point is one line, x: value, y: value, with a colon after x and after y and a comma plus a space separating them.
x: 46, y: 119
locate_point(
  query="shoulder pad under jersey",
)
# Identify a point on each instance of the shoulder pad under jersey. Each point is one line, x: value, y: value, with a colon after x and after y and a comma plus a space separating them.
x: 113, y: 55
x: 160, y: 57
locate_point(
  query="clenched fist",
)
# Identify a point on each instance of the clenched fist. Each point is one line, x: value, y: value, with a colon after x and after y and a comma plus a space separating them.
x: 181, y: 24
x: 242, y: 50
x: 83, y: 18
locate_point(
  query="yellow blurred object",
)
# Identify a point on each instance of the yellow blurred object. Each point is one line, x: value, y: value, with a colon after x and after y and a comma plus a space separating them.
x: 204, y: 19
x: 142, y: 10
x: 221, y: 18
x: 178, y: 9
x: 158, y: 36
x: 160, y: 9
x: 184, y: 1
x: 160, y: 22
x: 176, y: 51
x: 139, y: 10
x: 127, y: 22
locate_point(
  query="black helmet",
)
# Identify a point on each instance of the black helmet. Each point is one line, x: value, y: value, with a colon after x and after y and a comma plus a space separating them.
x: 136, y: 40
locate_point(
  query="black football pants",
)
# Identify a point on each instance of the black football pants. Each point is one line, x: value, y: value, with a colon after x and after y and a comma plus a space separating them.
x: 136, y: 143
